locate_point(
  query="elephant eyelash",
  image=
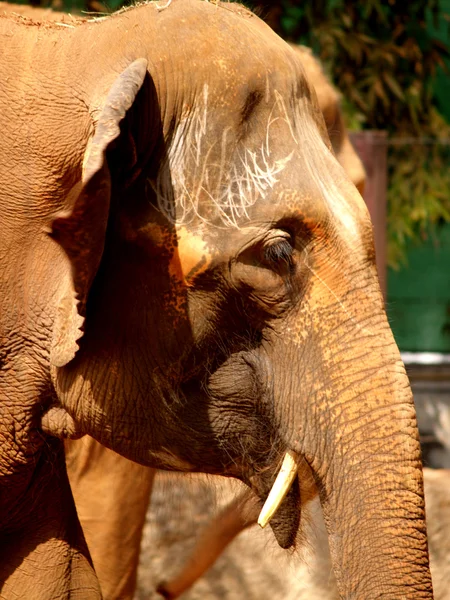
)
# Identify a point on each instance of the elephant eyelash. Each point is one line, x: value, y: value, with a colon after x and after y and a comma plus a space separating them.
x: 279, y: 255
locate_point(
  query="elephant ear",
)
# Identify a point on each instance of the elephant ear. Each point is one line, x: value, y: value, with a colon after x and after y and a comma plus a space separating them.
x: 81, y: 232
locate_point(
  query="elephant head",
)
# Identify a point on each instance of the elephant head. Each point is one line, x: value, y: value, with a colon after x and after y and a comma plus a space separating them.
x: 211, y: 296
x: 329, y: 102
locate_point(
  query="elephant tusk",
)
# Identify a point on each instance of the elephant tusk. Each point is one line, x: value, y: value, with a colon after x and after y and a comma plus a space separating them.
x: 280, y: 488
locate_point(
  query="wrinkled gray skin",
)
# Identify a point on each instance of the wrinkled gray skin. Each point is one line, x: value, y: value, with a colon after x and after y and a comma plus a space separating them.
x: 195, y: 289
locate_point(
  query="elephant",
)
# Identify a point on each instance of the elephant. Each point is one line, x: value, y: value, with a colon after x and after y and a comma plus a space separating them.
x: 188, y: 276
x: 111, y: 493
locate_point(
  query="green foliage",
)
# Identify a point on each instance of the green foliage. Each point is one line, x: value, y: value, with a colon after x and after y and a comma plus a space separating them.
x: 382, y: 55
x: 419, y: 189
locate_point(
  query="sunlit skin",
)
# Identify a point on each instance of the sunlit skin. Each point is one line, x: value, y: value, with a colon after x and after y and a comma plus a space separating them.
x: 188, y: 273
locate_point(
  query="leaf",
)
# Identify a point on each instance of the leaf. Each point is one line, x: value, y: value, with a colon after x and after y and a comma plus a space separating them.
x: 393, y: 85
x: 379, y: 91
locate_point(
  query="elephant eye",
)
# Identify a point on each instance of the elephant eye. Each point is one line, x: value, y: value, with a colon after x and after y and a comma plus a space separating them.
x: 279, y: 254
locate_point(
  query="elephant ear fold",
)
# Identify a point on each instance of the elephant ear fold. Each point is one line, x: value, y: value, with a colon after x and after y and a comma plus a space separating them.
x: 81, y: 231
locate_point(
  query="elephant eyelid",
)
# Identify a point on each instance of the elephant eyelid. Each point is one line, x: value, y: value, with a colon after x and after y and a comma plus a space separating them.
x: 279, y: 254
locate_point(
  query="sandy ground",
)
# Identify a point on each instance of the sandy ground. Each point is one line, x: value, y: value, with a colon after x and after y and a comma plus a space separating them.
x: 253, y: 567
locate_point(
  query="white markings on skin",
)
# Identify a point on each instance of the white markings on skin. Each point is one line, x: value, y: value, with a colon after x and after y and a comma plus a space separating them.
x: 216, y: 180
x: 201, y: 180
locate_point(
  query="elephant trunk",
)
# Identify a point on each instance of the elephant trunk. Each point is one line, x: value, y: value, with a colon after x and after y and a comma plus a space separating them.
x: 367, y: 466
x: 376, y: 522
x: 349, y: 413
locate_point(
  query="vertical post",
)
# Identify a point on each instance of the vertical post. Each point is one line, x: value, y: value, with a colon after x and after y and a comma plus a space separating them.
x: 372, y: 149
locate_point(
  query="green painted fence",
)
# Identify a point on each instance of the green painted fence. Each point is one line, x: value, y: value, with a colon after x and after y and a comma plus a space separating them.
x: 419, y: 296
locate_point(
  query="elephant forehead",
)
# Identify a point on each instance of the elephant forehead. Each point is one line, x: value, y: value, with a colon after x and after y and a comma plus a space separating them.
x: 254, y: 188
x: 216, y: 170
x: 231, y: 51
x: 245, y: 132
